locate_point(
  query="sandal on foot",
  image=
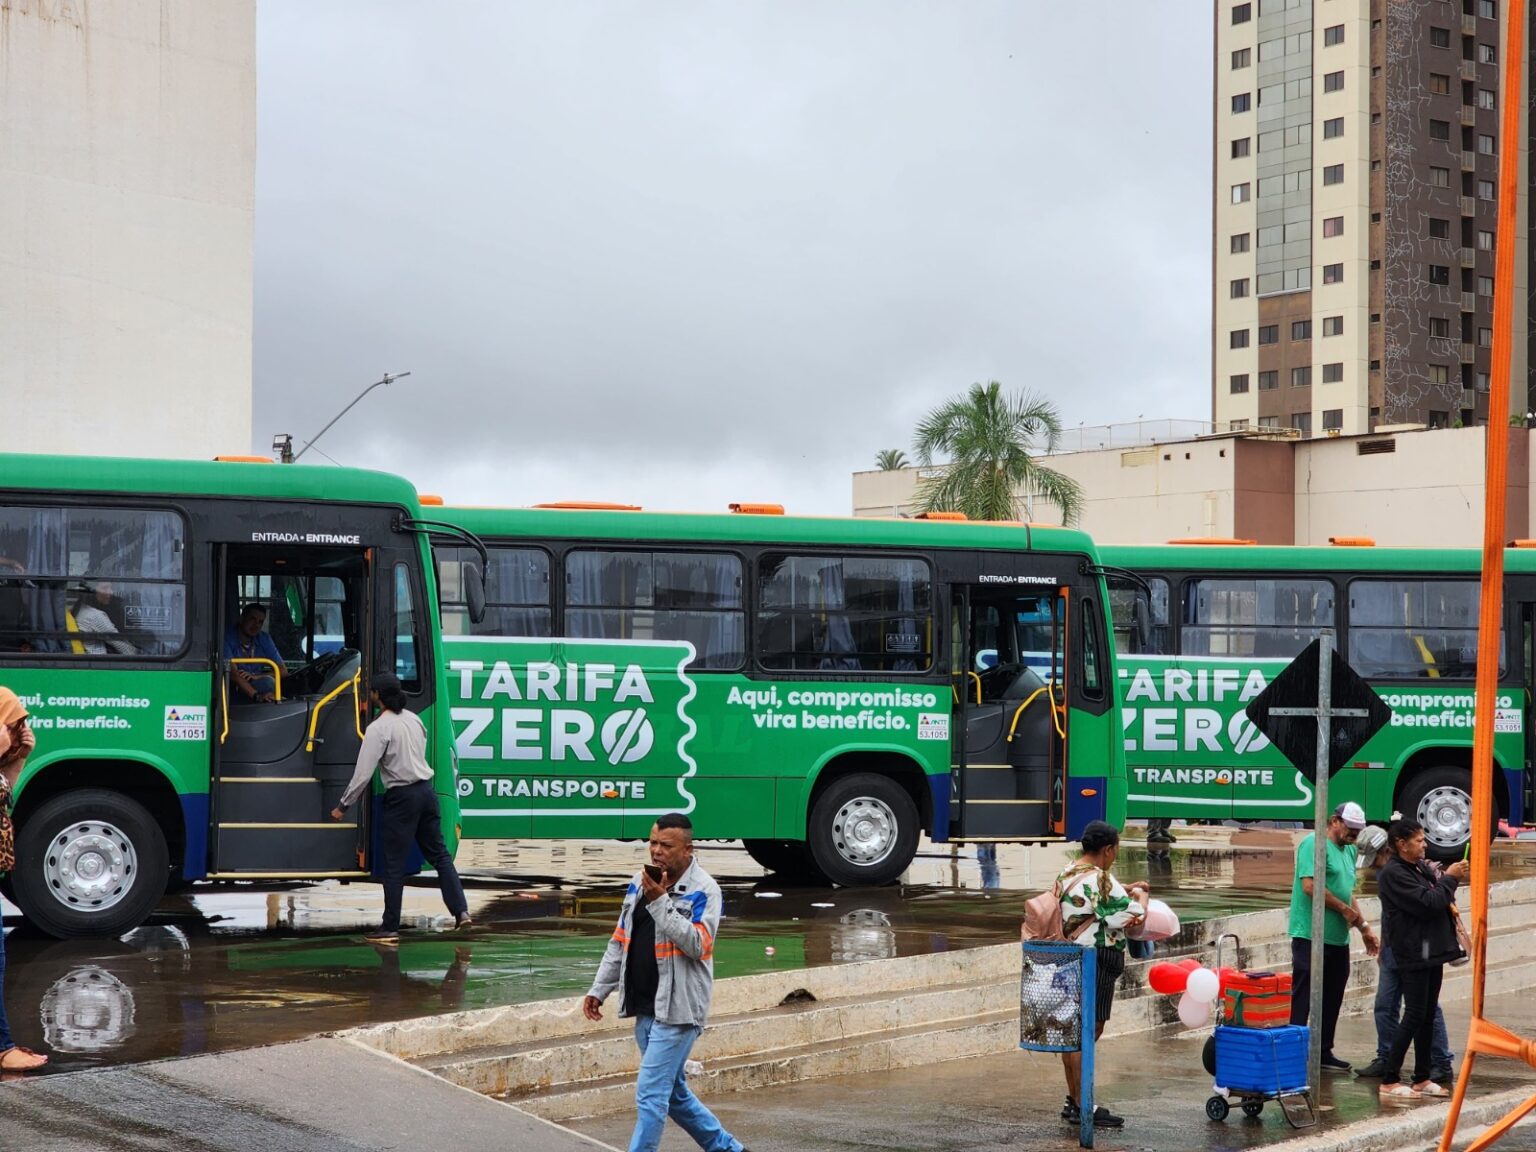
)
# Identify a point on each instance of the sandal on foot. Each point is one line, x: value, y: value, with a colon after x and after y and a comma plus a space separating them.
x: 19, y: 1059
x: 1430, y: 1088
x: 1398, y: 1094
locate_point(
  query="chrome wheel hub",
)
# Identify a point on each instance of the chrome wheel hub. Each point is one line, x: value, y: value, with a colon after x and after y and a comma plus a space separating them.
x: 864, y: 831
x: 1446, y: 814
x: 90, y: 865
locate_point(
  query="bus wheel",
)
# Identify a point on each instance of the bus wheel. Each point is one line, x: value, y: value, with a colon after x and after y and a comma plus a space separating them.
x: 787, y: 859
x: 863, y: 830
x: 1441, y: 800
x: 89, y: 863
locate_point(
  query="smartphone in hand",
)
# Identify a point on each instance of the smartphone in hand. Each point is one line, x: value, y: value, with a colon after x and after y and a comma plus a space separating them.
x: 653, y: 872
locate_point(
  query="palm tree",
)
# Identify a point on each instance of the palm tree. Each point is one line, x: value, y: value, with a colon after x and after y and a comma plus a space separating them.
x: 988, y: 439
x: 890, y: 459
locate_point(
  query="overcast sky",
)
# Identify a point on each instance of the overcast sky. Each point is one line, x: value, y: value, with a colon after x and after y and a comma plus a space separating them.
x: 680, y: 254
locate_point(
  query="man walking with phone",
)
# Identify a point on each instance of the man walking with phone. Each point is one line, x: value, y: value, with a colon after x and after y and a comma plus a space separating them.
x: 662, y: 957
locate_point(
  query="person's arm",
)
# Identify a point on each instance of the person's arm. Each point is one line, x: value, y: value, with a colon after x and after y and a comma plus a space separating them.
x: 21, y: 748
x: 607, y: 978
x: 1351, y: 914
x: 1119, y: 909
x: 1408, y: 894
x: 692, y: 931
x: 375, y: 744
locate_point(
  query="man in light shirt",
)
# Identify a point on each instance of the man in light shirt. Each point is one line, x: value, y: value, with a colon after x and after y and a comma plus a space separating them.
x: 396, y: 744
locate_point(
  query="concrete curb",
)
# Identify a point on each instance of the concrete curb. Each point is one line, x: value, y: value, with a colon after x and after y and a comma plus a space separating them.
x: 1418, y: 1127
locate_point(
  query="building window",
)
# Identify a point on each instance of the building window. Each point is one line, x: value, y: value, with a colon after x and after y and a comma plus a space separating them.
x: 1333, y: 273
x: 1237, y: 426
x: 1333, y: 419
x: 1238, y: 338
x: 1240, y: 193
x: 1439, y: 328
x: 1301, y: 329
x: 1375, y: 365
x: 1484, y: 240
x: 1238, y: 383
x: 1485, y: 143
x: 1333, y: 35
x: 1440, y: 37
x: 1334, y: 128
x: 1333, y: 325
x: 1439, y: 274
x: 1375, y: 165
x: 1333, y: 373
x: 1242, y: 58
x: 1375, y: 118
x: 1269, y: 381
x: 1486, y: 100
x: 1242, y: 13
x: 1485, y: 337
x: 1333, y: 226
x: 1438, y: 419
x: 1440, y: 229
x: 1487, y: 54
x: 1301, y: 377
x: 1269, y: 422
x: 1242, y: 101
x: 1439, y: 84
x: 1239, y: 288
x: 1440, y: 177
x: 1439, y: 129
x: 1439, y: 374
x: 1488, y: 9
x: 1302, y: 422
x: 1485, y: 285
x: 1333, y: 82
x: 1269, y: 334
x: 1239, y: 242
x: 1333, y: 174
x: 1240, y: 148
x: 1375, y: 317
x: 1375, y: 265
x: 1485, y: 190
x: 1482, y: 381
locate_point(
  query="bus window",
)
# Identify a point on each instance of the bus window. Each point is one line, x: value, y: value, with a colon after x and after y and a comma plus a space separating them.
x: 120, y: 565
x: 1265, y: 618
x: 1140, y: 615
x: 1413, y: 629
x: 407, y: 634
x: 517, y: 592
x: 1091, y: 674
x: 845, y: 613
x: 692, y: 596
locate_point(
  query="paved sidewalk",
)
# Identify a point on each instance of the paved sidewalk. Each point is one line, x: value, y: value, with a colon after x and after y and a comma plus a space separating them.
x: 1010, y: 1101
x: 324, y: 1095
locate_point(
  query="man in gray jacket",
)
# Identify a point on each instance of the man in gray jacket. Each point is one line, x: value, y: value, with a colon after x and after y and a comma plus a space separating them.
x: 662, y: 956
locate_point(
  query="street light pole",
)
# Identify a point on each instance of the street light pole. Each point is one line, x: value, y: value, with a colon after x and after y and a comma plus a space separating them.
x: 389, y: 378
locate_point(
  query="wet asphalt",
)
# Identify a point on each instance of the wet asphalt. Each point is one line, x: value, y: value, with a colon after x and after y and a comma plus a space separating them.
x: 220, y: 969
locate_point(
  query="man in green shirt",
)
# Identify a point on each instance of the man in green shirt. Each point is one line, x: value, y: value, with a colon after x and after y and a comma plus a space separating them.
x: 1339, y: 893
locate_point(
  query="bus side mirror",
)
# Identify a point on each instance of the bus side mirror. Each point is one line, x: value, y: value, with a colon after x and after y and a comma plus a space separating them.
x: 474, y: 592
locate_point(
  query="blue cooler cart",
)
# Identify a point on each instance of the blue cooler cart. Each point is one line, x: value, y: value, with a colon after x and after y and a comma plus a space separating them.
x: 1253, y: 1065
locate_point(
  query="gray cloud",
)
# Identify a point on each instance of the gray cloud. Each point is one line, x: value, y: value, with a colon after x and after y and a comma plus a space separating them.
x: 686, y: 253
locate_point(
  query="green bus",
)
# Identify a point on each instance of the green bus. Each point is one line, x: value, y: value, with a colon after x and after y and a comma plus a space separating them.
x: 826, y: 690
x: 1202, y: 627
x: 121, y: 588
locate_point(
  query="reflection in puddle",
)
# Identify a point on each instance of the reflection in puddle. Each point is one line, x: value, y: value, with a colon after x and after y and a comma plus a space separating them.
x: 87, y: 1010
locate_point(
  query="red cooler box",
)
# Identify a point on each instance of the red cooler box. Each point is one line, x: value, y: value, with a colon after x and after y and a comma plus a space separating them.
x: 1257, y: 1000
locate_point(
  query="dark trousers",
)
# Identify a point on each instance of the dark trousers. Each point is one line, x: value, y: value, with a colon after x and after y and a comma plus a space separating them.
x: 411, y: 816
x: 5, y: 1032
x: 1421, y: 994
x: 1335, y: 977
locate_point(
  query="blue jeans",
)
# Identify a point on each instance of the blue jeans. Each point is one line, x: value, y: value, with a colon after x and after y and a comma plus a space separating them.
x: 662, y: 1090
x: 1389, y: 1000
x: 5, y: 1028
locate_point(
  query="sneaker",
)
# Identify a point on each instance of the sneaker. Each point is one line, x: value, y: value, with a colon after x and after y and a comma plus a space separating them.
x: 1372, y: 1071
x: 384, y: 939
x: 1332, y: 1063
x: 1102, y: 1117
x: 464, y: 923
x: 1069, y: 1109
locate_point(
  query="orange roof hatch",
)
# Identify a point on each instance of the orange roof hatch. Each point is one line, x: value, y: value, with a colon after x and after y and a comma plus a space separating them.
x: 589, y: 506
x: 1352, y: 541
x: 1522, y: 544
x: 1213, y: 541
x: 941, y: 516
x: 243, y: 459
x: 758, y: 509
x: 428, y: 500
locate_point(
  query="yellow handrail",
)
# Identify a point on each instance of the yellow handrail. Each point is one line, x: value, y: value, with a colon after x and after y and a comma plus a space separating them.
x: 973, y: 676
x: 224, y: 735
x: 1019, y: 711
x: 314, y: 717
x: 1050, y: 690
x: 277, y: 671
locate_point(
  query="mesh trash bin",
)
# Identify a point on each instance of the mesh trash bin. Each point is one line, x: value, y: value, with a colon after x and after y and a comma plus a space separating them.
x: 1051, y: 998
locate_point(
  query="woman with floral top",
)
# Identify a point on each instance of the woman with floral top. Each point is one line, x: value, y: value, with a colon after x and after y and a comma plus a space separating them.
x: 1096, y: 909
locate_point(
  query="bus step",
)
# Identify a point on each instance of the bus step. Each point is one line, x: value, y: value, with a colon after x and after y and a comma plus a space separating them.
x: 262, y: 847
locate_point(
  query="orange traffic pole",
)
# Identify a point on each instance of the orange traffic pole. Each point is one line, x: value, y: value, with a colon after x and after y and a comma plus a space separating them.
x: 1484, y: 1037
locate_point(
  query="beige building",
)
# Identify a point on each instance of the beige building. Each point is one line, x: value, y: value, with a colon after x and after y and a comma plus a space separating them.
x: 1411, y: 487
x: 1354, y: 215
x: 127, y: 208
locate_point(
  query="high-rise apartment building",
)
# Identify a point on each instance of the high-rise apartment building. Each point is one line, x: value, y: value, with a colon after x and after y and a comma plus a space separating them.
x: 1355, y: 217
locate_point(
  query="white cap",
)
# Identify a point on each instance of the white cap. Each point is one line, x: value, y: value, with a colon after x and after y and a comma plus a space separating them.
x: 1370, y: 844
x: 1352, y: 814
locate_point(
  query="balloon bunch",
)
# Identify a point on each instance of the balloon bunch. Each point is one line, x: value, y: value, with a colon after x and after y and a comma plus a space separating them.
x: 1197, y: 987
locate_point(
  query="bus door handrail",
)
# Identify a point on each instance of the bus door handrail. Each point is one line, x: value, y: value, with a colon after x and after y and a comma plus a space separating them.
x: 956, y: 692
x: 314, y: 717
x: 277, y: 671
x: 1019, y: 711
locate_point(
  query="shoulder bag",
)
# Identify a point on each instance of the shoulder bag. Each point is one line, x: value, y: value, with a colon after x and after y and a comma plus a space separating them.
x: 1042, y: 917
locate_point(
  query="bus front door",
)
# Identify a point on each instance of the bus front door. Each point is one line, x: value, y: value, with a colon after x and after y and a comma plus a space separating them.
x: 1009, y: 753
x: 283, y: 756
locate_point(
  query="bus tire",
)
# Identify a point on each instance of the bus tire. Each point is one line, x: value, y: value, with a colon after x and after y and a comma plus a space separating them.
x: 91, y: 862
x: 863, y: 830
x: 1440, y: 798
x: 786, y: 859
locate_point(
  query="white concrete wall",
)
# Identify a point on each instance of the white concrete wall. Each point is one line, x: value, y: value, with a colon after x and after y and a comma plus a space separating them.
x: 127, y: 208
